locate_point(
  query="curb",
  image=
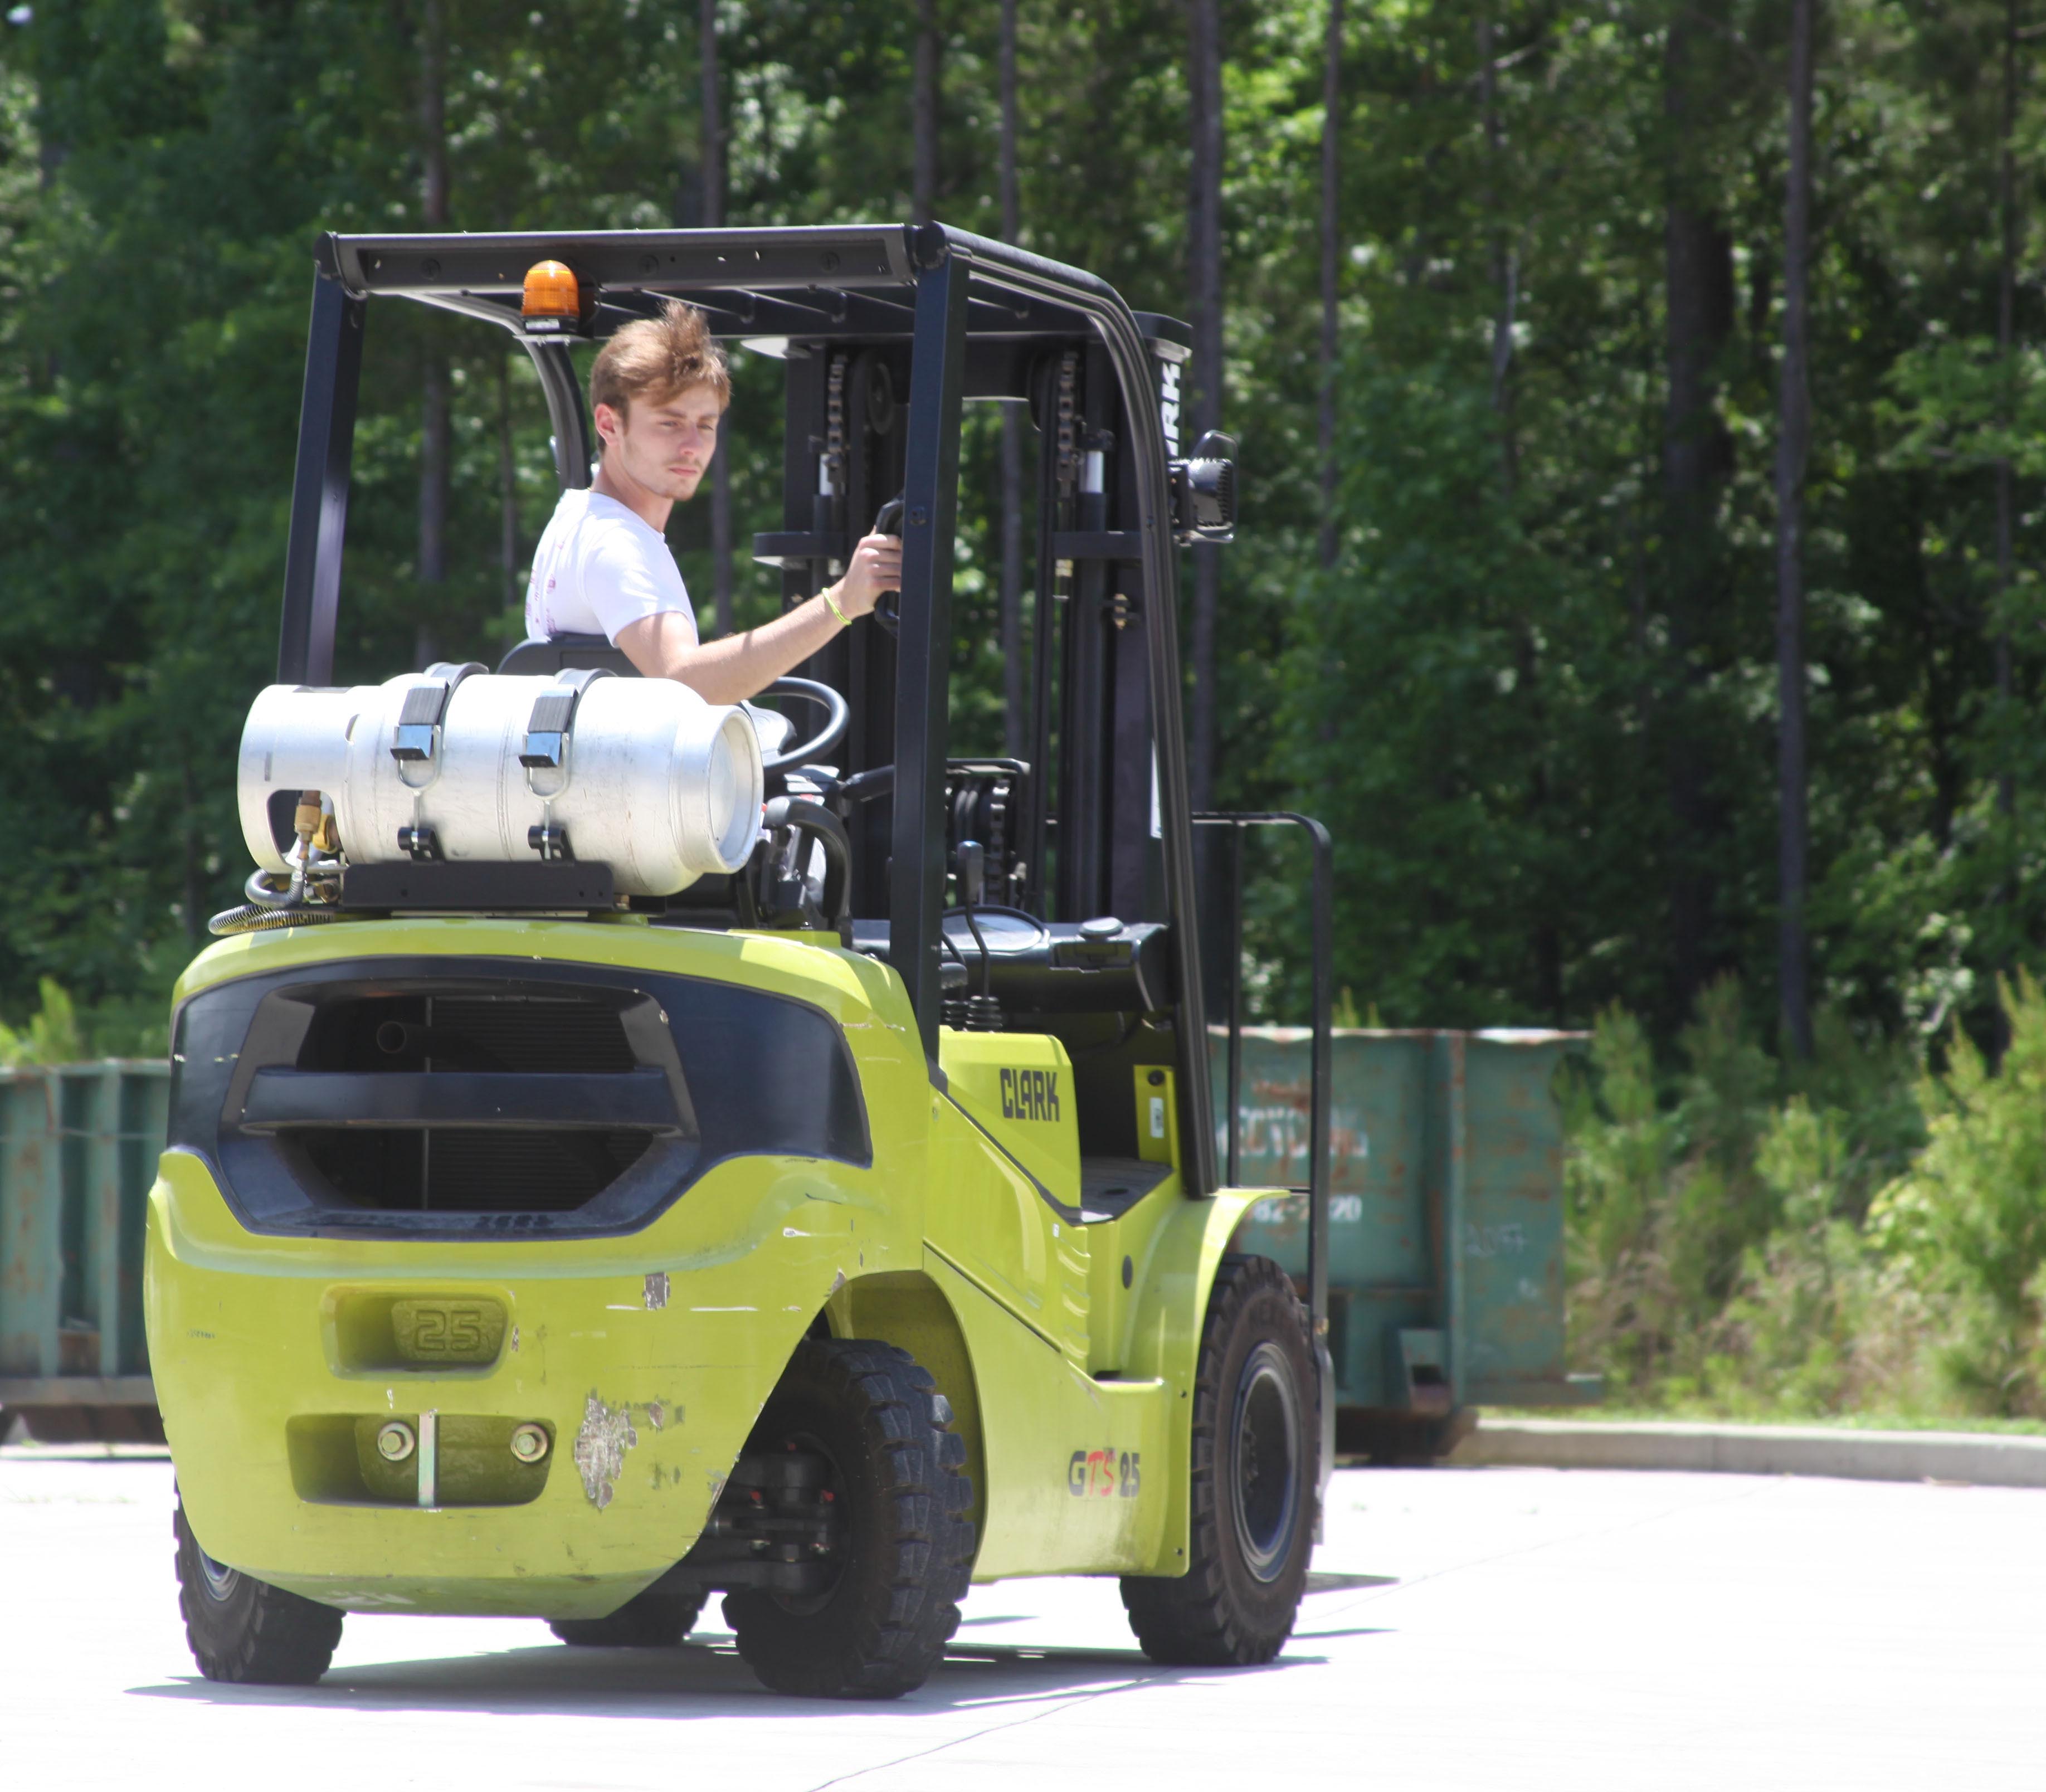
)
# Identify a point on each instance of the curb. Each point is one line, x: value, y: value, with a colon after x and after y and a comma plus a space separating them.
x: 1982, y: 1459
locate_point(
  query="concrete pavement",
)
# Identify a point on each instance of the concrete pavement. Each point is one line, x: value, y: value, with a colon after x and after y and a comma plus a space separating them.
x: 1494, y: 1628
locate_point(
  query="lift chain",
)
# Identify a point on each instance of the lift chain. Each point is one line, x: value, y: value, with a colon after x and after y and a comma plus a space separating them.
x: 1068, y: 465
x: 1069, y: 461
x: 834, y: 466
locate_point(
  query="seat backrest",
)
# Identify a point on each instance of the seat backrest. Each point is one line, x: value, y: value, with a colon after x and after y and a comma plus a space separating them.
x: 565, y: 653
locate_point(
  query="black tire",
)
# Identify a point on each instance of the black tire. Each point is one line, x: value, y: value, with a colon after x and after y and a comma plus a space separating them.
x: 649, y: 1620
x: 245, y: 1630
x: 1256, y: 1453
x: 905, y: 1505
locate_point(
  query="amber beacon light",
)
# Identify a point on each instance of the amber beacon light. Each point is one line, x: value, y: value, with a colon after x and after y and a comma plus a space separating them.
x: 552, y: 302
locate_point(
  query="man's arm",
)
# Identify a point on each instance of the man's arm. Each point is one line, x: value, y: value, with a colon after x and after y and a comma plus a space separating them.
x: 743, y: 665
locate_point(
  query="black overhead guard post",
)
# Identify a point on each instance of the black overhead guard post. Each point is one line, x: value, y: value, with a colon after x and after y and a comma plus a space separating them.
x: 1321, y: 1108
x: 320, y: 492
x: 1235, y: 1006
x: 1321, y: 1112
x: 566, y: 417
x: 930, y: 496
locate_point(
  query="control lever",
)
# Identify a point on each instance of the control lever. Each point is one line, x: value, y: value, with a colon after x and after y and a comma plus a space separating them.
x: 888, y: 521
x: 983, y: 1012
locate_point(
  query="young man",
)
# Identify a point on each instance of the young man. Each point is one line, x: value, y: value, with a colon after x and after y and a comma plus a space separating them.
x: 659, y: 388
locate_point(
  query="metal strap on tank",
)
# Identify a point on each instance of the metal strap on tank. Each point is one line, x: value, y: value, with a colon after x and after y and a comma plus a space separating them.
x: 416, y: 745
x: 549, y: 731
x: 416, y: 739
x: 548, y: 728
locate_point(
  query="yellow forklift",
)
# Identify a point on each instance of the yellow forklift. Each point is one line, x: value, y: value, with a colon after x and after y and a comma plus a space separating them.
x: 621, y: 1151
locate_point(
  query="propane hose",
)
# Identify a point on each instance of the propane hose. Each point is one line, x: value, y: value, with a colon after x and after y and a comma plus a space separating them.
x: 268, y: 907
x: 257, y: 918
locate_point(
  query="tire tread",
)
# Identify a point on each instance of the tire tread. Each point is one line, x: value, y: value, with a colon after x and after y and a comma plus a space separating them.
x: 261, y: 1635
x: 1194, y: 1619
x: 930, y: 1536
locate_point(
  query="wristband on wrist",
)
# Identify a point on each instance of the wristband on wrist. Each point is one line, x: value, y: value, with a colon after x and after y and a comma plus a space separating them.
x: 831, y: 603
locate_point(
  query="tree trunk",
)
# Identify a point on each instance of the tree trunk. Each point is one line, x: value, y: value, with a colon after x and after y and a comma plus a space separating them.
x: 2007, y: 305
x: 1545, y: 935
x: 924, y: 111
x: 1793, y: 431
x: 713, y: 218
x: 1331, y: 249
x: 433, y: 373
x: 1015, y: 729
x: 1696, y: 458
x: 1204, y: 409
x: 1505, y: 258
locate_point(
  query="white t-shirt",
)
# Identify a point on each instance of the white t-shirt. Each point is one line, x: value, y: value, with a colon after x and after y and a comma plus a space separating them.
x: 599, y: 568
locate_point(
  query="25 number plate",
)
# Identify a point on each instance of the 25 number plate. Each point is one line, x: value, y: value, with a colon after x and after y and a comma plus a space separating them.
x: 448, y: 1331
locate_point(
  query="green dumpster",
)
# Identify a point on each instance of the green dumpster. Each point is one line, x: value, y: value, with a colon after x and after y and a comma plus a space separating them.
x: 1445, y: 1217
x: 78, y: 1146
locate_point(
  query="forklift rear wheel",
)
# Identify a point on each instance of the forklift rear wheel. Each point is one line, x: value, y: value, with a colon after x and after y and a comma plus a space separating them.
x: 1255, y: 1450
x: 897, y: 1475
x: 245, y: 1630
x: 652, y: 1620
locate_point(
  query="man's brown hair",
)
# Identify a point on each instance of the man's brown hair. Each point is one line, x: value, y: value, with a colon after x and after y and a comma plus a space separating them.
x: 655, y: 358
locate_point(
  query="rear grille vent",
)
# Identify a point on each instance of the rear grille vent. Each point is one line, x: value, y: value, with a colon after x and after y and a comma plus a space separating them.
x: 472, y: 1097
x: 456, y: 1169
x: 524, y: 1098
x: 533, y: 1037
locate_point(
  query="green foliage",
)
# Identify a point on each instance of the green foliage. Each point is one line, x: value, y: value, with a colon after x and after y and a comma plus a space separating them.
x: 51, y: 1035
x: 1409, y: 713
x: 130, y: 1026
x: 1968, y: 1220
x: 1717, y: 1259
x: 1857, y: 1235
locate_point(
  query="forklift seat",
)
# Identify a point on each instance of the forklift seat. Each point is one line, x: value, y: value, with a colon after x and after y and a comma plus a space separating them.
x: 565, y: 653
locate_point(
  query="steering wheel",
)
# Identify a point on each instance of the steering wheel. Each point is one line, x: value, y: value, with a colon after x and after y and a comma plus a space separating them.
x: 826, y: 737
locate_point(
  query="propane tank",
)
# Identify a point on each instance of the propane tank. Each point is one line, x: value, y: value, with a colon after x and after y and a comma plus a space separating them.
x: 640, y: 774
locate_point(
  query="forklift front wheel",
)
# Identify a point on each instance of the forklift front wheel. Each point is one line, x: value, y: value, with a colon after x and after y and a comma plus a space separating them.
x: 1256, y: 1451
x: 905, y: 1543
x: 245, y: 1630
x: 652, y: 1620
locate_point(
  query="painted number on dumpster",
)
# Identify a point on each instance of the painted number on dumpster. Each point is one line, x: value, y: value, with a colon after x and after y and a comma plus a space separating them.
x: 1506, y: 1240
x: 1344, y: 1210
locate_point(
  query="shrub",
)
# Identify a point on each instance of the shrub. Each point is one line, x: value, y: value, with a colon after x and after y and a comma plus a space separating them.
x: 1717, y: 1253
x: 1967, y: 1221
x: 52, y: 1036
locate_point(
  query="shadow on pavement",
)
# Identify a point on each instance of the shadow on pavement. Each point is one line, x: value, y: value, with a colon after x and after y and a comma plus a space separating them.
x: 697, y: 1680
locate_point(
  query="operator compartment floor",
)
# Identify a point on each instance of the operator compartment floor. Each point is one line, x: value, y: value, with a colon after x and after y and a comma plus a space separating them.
x: 1109, y: 1186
